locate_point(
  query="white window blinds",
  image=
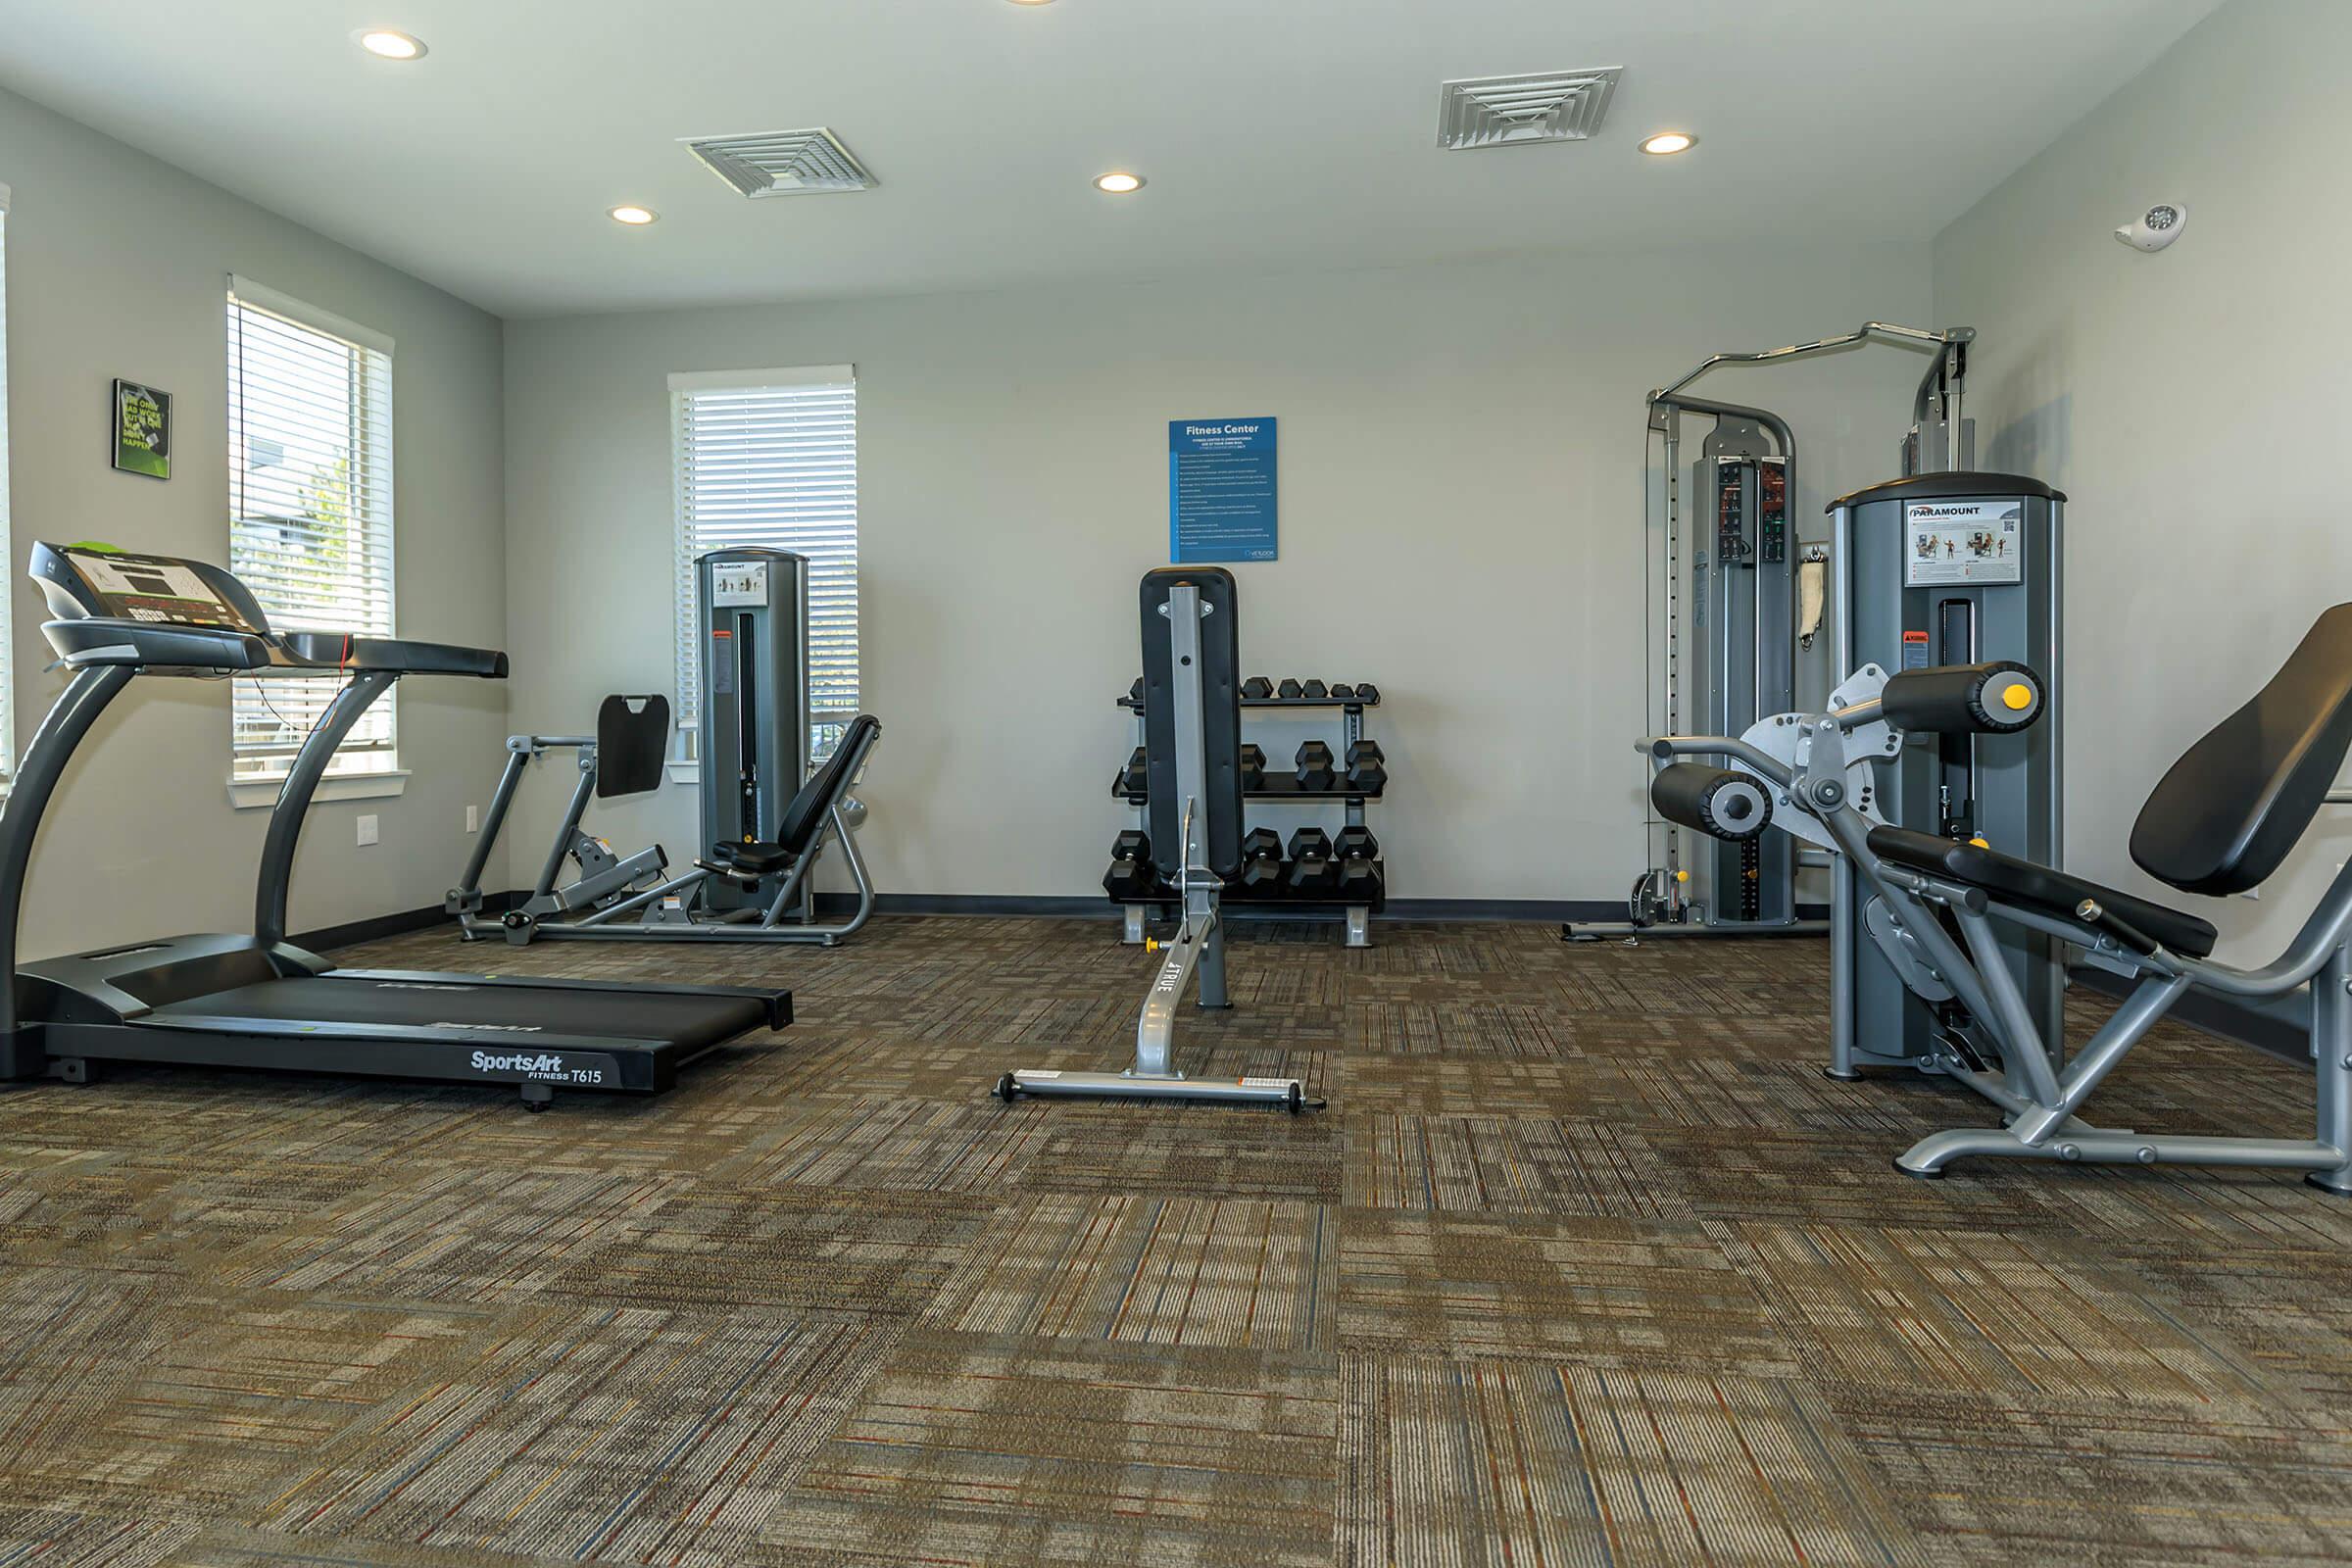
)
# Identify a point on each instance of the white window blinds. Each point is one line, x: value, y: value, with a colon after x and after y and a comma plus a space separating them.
x: 8, y: 727
x: 310, y: 495
x: 770, y: 458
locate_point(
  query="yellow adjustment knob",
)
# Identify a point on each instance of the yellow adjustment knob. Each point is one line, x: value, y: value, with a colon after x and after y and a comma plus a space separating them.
x: 2017, y: 697
x: 1681, y: 876
x: 1980, y: 844
x: 1151, y: 944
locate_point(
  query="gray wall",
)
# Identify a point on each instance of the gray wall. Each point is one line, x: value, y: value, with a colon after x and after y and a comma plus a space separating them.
x: 117, y: 267
x: 1461, y: 459
x: 2173, y: 398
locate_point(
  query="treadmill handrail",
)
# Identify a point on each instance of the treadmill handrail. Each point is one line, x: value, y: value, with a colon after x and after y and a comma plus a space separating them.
x: 155, y: 645
x: 276, y: 873
x: 61, y: 729
x: 401, y: 656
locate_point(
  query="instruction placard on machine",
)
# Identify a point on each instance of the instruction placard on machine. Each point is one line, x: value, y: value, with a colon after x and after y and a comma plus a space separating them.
x: 1963, y: 542
x: 744, y: 583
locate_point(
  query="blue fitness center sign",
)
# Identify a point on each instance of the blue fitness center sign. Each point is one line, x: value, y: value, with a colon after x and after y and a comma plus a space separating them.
x: 1221, y: 490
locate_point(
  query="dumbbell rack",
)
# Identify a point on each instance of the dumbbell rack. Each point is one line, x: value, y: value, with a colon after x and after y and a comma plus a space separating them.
x: 1275, y: 786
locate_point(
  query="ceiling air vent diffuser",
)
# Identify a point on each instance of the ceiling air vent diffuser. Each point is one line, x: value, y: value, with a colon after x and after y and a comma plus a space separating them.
x: 782, y: 162
x: 1505, y: 110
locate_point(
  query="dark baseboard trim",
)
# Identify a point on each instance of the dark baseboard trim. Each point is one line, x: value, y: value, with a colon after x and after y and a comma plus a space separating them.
x: 1547, y: 911
x: 1093, y: 908
x: 2278, y: 1031
x: 1084, y: 908
x: 377, y: 928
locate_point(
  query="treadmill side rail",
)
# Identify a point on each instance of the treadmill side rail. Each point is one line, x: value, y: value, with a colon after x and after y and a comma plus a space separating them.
x: 777, y: 1002
x: 379, y: 1050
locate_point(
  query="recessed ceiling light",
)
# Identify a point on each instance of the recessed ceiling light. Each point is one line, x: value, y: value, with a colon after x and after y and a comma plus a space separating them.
x: 386, y: 45
x: 634, y: 216
x: 1032, y: 2
x: 1667, y: 142
x: 1117, y: 183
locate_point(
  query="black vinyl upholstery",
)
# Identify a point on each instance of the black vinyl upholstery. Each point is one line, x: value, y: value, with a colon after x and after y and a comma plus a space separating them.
x: 2022, y: 882
x: 2236, y: 804
x: 632, y: 733
x: 805, y: 812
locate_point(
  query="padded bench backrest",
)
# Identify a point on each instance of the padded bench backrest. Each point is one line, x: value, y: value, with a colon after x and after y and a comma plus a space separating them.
x: 2237, y: 801
x: 632, y: 735
x: 806, y: 812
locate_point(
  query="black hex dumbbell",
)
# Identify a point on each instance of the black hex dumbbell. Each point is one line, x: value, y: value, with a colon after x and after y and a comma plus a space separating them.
x: 1367, y: 768
x: 1256, y: 689
x: 1130, y: 879
x: 1366, y: 693
x: 1261, y: 864
x: 1133, y: 779
x: 1290, y: 690
x: 1314, y: 691
x: 1313, y: 766
x: 1342, y: 692
x: 1252, y: 766
x: 1357, y: 854
x: 1313, y: 873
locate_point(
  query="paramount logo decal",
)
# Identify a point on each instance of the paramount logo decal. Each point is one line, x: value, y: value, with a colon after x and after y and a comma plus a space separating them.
x: 517, y: 1061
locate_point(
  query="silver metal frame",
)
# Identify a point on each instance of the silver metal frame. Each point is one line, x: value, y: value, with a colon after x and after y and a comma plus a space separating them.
x: 544, y: 912
x: 2040, y: 1091
x: 1198, y: 948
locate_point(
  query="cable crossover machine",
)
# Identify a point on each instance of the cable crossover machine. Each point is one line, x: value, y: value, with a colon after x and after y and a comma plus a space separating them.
x: 1732, y: 596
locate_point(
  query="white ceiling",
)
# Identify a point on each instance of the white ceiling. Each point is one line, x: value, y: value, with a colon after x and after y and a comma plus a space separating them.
x: 1275, y: 133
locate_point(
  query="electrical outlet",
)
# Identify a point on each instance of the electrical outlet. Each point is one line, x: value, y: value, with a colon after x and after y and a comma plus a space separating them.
x: 474, y: 820
x: 368, y: 834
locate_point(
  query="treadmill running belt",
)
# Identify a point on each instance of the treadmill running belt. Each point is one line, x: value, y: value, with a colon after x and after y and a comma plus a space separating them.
x: 690, y: 1023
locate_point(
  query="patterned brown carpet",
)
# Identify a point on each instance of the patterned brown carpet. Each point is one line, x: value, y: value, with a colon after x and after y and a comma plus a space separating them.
x: 1585, y: 1265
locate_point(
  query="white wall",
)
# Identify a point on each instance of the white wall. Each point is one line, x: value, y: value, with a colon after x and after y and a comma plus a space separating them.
x: 117, y: 267
x: 2186, y: 403
x: 1461, y: 459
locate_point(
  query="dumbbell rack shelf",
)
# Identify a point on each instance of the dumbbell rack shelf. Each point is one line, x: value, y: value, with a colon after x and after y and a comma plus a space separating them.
x: 1284, y: 788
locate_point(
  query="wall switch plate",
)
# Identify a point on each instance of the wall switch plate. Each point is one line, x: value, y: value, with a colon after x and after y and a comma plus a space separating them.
x: 474, y: 820
x: 368, y: 834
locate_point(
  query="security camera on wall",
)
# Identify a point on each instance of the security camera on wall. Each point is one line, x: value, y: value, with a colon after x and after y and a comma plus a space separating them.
x: 2155, y: 229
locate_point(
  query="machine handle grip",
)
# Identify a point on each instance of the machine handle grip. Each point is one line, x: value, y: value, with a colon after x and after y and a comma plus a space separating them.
x: 1719, y: 802
x: 1993, y: 699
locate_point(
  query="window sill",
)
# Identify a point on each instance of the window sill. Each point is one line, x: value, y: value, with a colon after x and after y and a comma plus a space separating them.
x: 254, y: 794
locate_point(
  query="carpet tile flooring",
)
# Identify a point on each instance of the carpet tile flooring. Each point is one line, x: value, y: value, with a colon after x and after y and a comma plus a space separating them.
x: 1583, y: 1263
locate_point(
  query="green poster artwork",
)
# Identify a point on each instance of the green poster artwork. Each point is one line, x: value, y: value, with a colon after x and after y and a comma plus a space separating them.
x: 142, y: 430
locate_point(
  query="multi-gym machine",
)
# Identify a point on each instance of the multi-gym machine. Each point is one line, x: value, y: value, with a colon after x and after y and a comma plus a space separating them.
x: 1192, y: 745
x: 766, y: 820
x: 1731, y: 593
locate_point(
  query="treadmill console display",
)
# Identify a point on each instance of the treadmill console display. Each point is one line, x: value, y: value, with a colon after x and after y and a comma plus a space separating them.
x: 157, y: 588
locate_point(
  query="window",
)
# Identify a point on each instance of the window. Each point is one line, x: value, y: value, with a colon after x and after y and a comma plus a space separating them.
x: 8, y: 728
x: 770, y: 458
x: 310, y: 499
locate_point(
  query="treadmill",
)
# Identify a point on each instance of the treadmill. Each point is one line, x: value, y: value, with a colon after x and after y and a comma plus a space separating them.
x: 232, y: 1000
